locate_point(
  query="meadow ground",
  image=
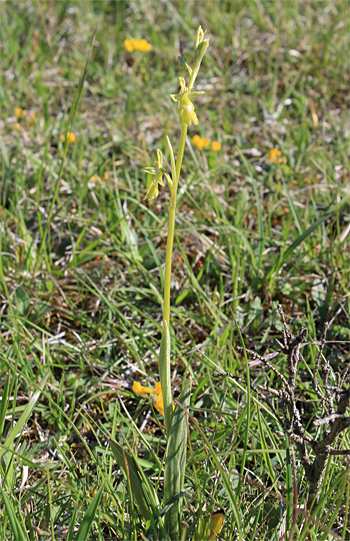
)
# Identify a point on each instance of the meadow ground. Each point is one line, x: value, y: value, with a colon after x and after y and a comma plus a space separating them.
x: 82, y: 258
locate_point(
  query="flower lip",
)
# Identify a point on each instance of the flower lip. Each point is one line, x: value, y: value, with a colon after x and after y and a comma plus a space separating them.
x: 186, y: 111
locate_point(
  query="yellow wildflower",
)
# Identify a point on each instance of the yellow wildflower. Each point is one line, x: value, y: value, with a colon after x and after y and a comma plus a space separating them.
x: 215, y: 146
x: 70, y: 135
x: 137, y: 45
x: 138, y: 389
x: 33, y: 117
x: 143, y: 46
x: 158, y: 389
x: 159, y: 404
x: 273, y: 154
x: 157, y: 395
x: 105, y: 176
x: 199, y: 142
x: 17, y: 126
x: 128, y: 46
x: 18, y: 112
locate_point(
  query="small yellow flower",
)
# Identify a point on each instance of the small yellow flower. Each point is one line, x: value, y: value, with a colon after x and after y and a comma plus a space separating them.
x: 273, y: 154
x: 137, y: 45
x: 128, y: 46
x: 215, y: 146
x: 18, y: 112
x: 143, y: 46
x: 105, y: 176
x: 159, y: 404
x: 140, y: 390
x: 199, y: 142
x: 17, y: 126
x: 158, y: 389
x: 70, y: 135
x: 33, y: 117
x: 157, y: 395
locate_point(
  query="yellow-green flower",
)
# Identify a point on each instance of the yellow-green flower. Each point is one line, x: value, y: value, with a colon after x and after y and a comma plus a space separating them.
x: 185, y: 106
x: 186, y: 111
x: 158, y: 171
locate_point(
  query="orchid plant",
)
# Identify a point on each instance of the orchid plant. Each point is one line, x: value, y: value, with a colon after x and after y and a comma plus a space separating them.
x: 175, y: 419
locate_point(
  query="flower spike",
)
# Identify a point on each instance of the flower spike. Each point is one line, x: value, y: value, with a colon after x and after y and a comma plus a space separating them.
x: 185, y: 105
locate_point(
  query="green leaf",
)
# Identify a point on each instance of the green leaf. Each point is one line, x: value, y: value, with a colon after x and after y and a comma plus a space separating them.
x: 182, y: 61
x: 130, y: 468
x: 164, y: 375
x: 22, y: 301
x: 175, y: 462
x: 89, y: 517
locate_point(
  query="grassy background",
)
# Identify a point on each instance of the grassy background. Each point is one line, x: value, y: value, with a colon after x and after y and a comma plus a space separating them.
x: 82, y: 254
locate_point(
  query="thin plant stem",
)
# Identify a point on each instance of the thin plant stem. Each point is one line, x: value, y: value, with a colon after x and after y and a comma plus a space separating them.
x: 171, y: 227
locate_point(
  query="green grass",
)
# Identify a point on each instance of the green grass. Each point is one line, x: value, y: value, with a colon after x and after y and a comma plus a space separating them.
x: 81, y: 264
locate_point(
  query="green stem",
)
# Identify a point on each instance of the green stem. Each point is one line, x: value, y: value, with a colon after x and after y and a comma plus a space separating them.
x: 171, y: 227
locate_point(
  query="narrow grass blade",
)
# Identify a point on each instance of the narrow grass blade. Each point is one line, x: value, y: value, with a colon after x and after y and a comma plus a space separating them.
x: 18, y: 532
x: 89, y: 517
x: 73, y: 520
x: 248, y: 408
x: 17, y: 429
x: 284, y: 257
x: 69, y: 125
x: 3, y: 404
x: 266, y: 456
x: 175, y: 462
x: 229, y: 490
